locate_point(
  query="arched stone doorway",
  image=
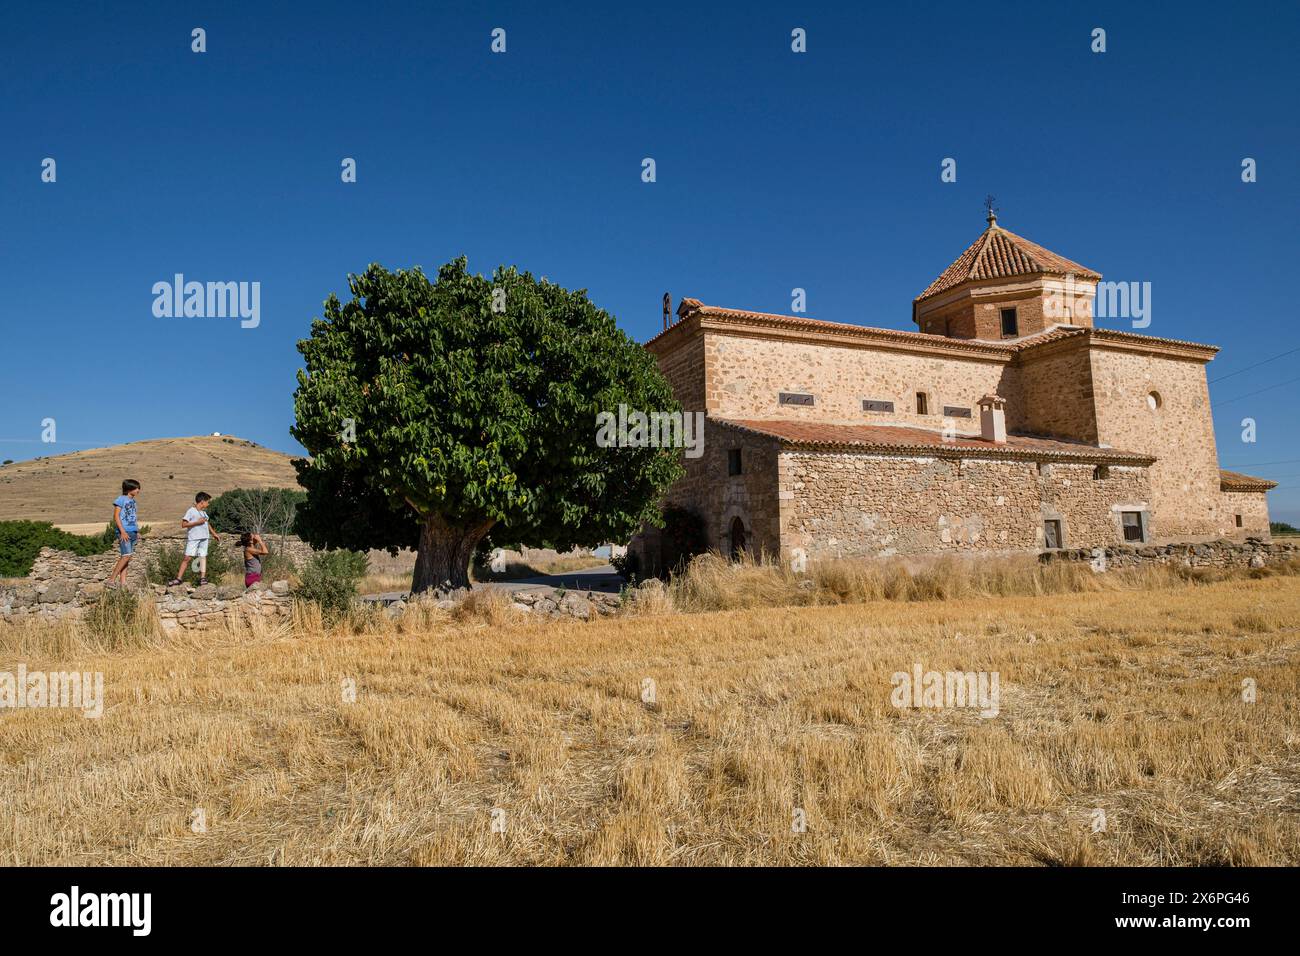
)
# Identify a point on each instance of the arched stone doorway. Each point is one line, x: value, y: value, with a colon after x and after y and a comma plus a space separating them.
x: 737, y: 539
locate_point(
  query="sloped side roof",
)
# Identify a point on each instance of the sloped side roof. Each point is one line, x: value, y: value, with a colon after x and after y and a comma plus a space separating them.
x: 924, y: 441
x: 999, y: 253
x: 1236, y: 481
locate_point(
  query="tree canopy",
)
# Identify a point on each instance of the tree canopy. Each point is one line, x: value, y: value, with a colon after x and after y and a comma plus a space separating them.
x: 436, y: 412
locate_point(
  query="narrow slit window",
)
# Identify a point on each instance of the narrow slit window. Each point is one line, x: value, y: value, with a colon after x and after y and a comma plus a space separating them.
x: 1052, y: 534
x: 733, y: 461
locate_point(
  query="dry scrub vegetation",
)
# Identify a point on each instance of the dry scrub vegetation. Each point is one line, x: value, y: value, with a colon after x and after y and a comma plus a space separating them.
x: 1125, y: 697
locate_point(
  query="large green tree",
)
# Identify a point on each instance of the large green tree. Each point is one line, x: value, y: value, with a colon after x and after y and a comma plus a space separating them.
x: 437, y: 411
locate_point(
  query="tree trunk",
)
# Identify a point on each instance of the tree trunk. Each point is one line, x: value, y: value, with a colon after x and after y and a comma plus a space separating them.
x: 442, y: 562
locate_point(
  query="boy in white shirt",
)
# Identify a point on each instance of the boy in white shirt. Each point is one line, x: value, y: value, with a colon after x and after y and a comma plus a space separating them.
x: 198, y: 531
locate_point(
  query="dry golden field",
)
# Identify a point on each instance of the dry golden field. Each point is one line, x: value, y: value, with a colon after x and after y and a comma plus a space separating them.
x: 75, y: 491
x: 1120, y: 700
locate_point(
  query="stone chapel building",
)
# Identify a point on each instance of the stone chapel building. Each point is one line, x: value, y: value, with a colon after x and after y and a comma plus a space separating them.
x: 1008, y: 423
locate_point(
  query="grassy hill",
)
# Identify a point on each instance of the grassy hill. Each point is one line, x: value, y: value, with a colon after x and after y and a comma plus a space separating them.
x: 75, y: 491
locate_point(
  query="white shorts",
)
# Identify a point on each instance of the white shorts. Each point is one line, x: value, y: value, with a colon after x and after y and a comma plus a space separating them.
x: 197, y: 548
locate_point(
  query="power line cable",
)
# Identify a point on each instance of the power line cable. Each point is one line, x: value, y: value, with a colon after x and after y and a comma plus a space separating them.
x: 1256, y: 365
x: 1256, y: 392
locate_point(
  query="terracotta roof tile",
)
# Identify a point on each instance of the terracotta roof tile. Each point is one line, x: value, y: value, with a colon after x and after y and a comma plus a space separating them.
x: 1236, y: 481
x: 694, y: 307
x: 925, y: 441
x: 690, y: 308
x: 1058, y: 332
x: 998, y: 254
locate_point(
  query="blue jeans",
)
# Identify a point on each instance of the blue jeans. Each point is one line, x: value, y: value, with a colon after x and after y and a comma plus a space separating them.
x: 127, y: 546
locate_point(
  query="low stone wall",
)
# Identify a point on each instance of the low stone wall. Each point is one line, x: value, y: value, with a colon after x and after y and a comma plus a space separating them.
x: 185, y: 608
x: 538, y: 601
x: 63, y: 584
x: 52, y: 565
x: 179, y: 608
x: 1251, y: 553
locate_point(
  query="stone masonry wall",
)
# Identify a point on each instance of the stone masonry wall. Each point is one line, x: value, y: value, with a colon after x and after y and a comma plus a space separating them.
x: 840, y: 504
x: 1253, y: 508
x: 1055, y: 397
x: 1180, y: 433
x: 62, y: 584
x: 51, y: 595
x: 747, y: 375
x: 64, y: 565
x: 717, y: 497
x: 683, y: 367
x: 1251, y: 553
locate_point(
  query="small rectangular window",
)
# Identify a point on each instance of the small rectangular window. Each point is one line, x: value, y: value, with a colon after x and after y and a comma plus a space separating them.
x: 1101, y: 473
x: 1052, y: 534
x: 1010, y: 327
x: 795, y: 398
x: 922, y: 404
x: 733, y: 461
x: 955, y: 411
x: 1238, y: 521
x: 871, y: 405
x: 1133, y: 526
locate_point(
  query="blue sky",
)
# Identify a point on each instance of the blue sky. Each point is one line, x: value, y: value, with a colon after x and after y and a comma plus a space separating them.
x: 775, y: 171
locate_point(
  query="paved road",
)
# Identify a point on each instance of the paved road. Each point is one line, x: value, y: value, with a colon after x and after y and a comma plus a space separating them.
x: 603, y: 578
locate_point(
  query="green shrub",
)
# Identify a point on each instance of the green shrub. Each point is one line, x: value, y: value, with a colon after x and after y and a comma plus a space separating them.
x: 166, y: 562
x: 21, y: 541
x: 627, y: 565
x: 330, y: 580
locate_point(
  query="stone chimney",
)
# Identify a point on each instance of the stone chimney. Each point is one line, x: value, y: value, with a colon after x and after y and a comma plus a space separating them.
x: 993, y: 419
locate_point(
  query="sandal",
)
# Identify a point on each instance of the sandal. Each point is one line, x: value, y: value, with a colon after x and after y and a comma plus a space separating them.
x: 173, y: 582
x: 202, y: 581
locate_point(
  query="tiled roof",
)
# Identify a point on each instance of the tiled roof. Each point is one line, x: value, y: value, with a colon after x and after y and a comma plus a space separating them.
x: 1058, y: 332
x: 997, y: 254
x: 923, y: 441
x: 689, y: 308
x: 694, y: 307
x: 1236, y: 481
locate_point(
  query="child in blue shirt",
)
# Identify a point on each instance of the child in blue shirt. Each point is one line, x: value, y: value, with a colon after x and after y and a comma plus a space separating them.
x: 124, y: 521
